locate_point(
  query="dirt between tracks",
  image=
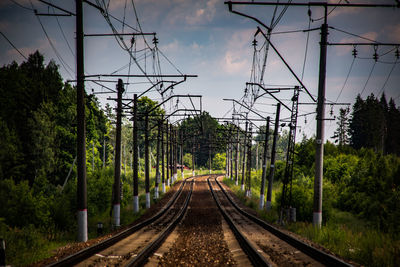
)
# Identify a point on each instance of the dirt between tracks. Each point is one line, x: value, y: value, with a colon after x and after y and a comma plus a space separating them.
x: 72, y: 248
x: 200, y: 239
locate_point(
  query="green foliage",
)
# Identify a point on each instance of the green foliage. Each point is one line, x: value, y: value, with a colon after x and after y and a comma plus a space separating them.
x: 375, y: 124
x: 21, y: 207
x: 187, y: 160
x: 23, y: 245
x: 204, y: 131
x: 352, y: 239
x: 219, y: 161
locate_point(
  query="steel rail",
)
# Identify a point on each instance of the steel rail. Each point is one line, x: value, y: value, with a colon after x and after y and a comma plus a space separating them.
x: 145, y: 254
x: 314, y: 253
x: 90, y: 251
x: 254, y: 256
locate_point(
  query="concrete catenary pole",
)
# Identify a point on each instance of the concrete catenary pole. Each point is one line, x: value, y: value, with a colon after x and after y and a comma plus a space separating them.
x: 135, y: 158
x: 273, y: 154
x: 147, y: 161
x: 264, y: 166
x: 244, y: 158
x: 156, y: 195
x: 117, y: 159
x: 319, y: 153
x: 81, y: 129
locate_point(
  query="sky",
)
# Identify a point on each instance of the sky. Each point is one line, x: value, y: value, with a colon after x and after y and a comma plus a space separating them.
x: 201, y: 37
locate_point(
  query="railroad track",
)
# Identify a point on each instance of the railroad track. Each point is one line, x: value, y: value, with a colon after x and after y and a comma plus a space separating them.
x: 264, y: 244
x: 134, y: 245
x: 254, y: 256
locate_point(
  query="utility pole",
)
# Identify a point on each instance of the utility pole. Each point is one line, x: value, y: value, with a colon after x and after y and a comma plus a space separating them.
x: 248, y: 178
x: 226, y: 162
x: 146, y: 161
x: 81, y: 130
x: 117, y: 159
x: 181, y: 149
x: 167, y: 150
x: 158, y: 160
x: 264, y: 166
x: 193, y: 161
x: 273, y: 154
x: 135, y: 158
x: 257, y: 156
x: 237, y: 157
x: 244, y: 157
x: 175, y: 144
x: 162, y: 155
x: 171, y: 153
x: 319, y: 152
x: 231, y: 159
x: 209, y: 152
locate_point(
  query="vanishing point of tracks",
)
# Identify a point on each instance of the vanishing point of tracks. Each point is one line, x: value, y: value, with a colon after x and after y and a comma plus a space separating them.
x: 203, y: 237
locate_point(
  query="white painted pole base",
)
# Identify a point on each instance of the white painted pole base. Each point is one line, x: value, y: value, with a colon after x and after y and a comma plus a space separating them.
x: 168, y: 182
x: 156, y: 195
x: 210, y: 171
x: 193, y: 173
x: 82, y: 226
x: 261, y: 203
x: 135, y: 204
x: 236, y: 182
x: 292, y: 214
x: 117, y: 212
x: 163, y: 188
x: 148, y: 200
x: 175, y: 177
x: 268, y: 205
x: 248, y: 193
x: 242, y: 187
x: 182, y: 175
x: 317, y: 219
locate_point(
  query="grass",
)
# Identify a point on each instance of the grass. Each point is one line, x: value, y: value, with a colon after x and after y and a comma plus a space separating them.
x: 344, y: 234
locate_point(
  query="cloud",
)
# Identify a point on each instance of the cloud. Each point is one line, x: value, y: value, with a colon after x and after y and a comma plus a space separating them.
x: 236, y: 59
x: 234, y: 63
x: 392, y: 33
x: 191, y: 12
x: 173, y: 46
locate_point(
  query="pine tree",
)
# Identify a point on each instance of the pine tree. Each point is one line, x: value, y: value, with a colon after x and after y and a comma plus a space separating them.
x: 393, y: 130
x: 341, y: 135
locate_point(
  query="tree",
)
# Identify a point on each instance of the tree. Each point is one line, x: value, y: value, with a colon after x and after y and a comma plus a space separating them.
x: 219, y: 161
x: 367, y: 126
x: 393, y: 130
x: 203, y: 132
x: 341, y: 135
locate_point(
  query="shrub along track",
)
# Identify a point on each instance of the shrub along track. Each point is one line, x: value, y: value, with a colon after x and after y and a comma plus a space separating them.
x: 120, y: 248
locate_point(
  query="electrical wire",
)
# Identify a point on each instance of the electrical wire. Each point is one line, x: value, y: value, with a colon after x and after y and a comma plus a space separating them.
x: 18, y: 4
x: 62, y: 32
x: 318, y: 19
x: 5, y: 37
x: 369, y: 76
x: 306, y: 50
x: 353, y: 34
x: 387, y: 78
x: 347, y: 77
x: 63, y: 63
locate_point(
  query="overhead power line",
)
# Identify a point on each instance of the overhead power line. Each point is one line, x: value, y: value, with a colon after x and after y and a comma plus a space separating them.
x: 5, y: 37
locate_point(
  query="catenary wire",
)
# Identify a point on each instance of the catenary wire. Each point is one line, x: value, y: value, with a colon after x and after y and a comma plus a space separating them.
x: 5, y: 37
x: 369, y: 76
